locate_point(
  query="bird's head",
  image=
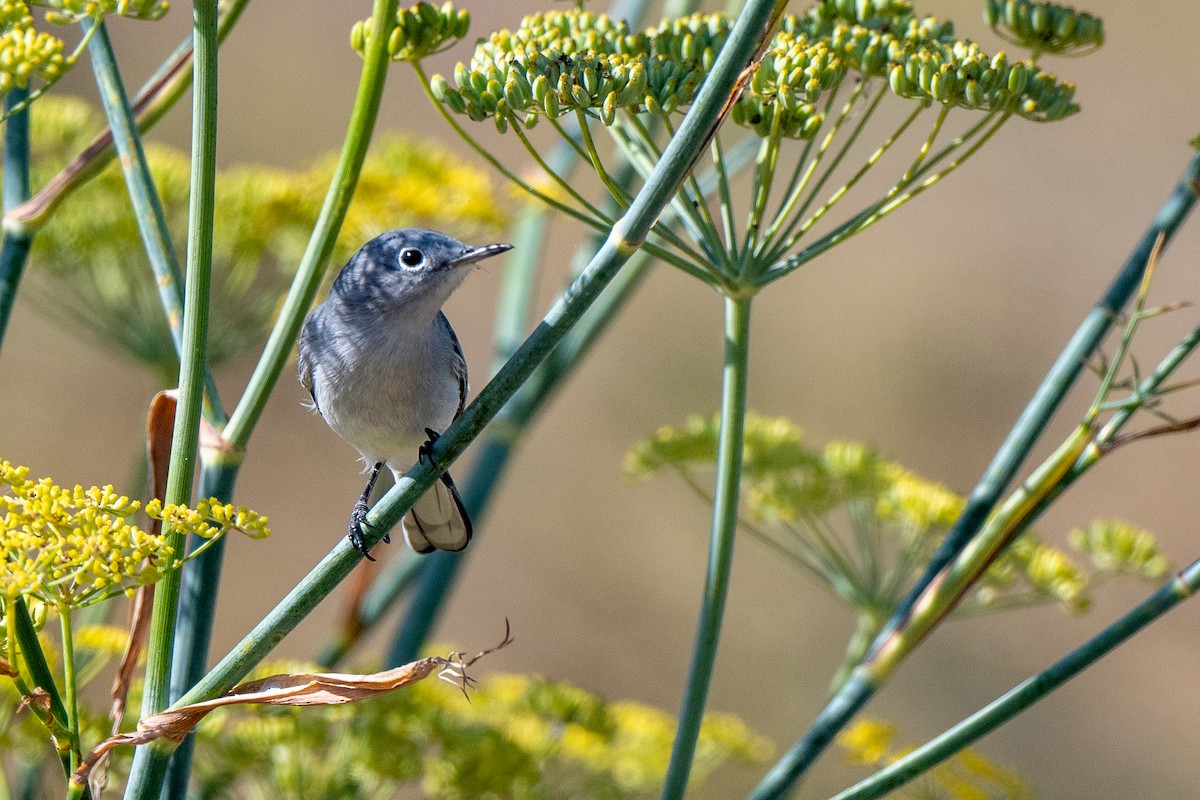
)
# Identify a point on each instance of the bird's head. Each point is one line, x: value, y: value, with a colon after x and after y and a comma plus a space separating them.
x: 408, y: 270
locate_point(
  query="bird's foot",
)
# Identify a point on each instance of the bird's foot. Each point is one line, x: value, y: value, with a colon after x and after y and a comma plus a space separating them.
x: 358, y: 518
x: 425, y: 451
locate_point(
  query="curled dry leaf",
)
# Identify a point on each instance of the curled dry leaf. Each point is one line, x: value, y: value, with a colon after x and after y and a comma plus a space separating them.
x: 38, y: 700
x: 293, y: 689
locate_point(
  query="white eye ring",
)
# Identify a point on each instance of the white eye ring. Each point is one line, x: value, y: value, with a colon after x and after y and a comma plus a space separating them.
x: 411, y: 258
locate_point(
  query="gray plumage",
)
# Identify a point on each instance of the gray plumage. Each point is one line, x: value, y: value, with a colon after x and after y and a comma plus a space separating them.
x: 384, y: 367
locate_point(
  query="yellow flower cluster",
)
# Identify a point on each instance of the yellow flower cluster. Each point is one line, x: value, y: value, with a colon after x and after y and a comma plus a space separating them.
x: 73, y: 547
x: 966, y: 776
x: 630, y: 742
x: 921, y: 503
x: 27, y: 54
x: 800, y: 500
x: 63, y: 12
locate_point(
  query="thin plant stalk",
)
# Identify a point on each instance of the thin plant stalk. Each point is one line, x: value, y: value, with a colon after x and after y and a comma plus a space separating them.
x: 143, y: 194
x: 1046, y: 399
x: 747, y: 37
x: 197, y: 608
x: 720, y: 559
x: 70, y: 692
x: 1181, y: 587
x: 324, y: 236
x: 1078, y: 453
x: 150, y: 761
x: 14, y: 251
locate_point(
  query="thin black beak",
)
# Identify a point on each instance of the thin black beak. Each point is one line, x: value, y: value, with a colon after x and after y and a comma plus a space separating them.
x: 480, y: 253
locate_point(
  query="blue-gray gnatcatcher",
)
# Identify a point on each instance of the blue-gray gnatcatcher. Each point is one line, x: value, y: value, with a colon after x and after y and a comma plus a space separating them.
x: 385, y: 370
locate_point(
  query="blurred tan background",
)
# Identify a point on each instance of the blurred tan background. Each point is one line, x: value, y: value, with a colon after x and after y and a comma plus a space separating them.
x: 923, y: 337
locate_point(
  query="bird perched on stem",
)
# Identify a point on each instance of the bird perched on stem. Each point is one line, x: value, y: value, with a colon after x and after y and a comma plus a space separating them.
x: 385, y: 369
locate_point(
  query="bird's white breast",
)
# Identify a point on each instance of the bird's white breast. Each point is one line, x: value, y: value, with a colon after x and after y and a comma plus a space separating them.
x: 393, y: 387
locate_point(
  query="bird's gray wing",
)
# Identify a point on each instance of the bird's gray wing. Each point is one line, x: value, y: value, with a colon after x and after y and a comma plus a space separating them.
x: 458, y: 365
x: 307, y: 364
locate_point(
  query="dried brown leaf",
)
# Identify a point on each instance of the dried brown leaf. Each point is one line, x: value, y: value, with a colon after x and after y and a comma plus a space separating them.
x: 38, y: 700
x: 292, y: 689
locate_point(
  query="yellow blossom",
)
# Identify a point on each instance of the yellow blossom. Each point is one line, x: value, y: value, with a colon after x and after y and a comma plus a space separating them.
x: 73, y: 547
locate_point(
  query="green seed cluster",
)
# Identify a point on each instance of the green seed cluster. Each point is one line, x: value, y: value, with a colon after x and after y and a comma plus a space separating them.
x: 26, y: 54
x: 961, y: 74
x: 870, y: 13
x: 869, y: 36
x: 1044, y: 27
x: 694, y: 39
x: 788, y: 81
x: 420, y: 31
x: 553, y: 64
x: 564, y: 62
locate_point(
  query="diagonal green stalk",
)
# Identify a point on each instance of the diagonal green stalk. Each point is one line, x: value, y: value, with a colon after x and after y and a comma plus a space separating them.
x: 1012, y: 453
x: 1179, y: 588
x: 150, y: 761
x: 324, y: 236
x: 396, y: 577
x: 747, y: 36
x: 14, y: 250
x: 720, y: 557
x: 148, y: 210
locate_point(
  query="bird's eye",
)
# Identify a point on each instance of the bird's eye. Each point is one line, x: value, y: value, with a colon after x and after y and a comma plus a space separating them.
x: 411, y: 257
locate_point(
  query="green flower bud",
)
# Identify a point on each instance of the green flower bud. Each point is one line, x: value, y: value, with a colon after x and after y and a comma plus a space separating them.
x: 1044, y: 26
x: 608, y: 111
x: 456, y: 103
x: 514, y: 95
x: 1017, y: 78
x: 440, y: 87
x: 541, y: 88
